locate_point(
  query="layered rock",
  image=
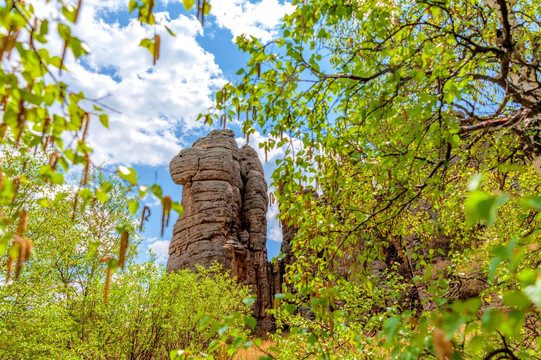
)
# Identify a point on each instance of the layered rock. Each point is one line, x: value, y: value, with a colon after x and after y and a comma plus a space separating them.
x: 225, y: 204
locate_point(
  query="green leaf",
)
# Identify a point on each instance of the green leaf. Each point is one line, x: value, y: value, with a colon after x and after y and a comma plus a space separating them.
x: 177, y: 207
x: 250, y: 321
x: 477, y: 343
x: 101, y: 196
x: 132, y: 5
x: 205, y: 321
x: 149, y: 44
x: 13, y: 252
x: 468, y: 307
x: 452, y: 323
x: 390, y: 327
x: 157, y: 191
x: 57, y: 178
x: 112, y: 264
x: 44, y: 28
x: 311, y: 339
x: 249, y: 301
x: 483, y: 207
x: 64, y: 31
x: 92, y: 248
x: 533, y: 203
x: 206, y: 8
x: 527, y: 277
x: 188, y: 4
x: 104, y: 119
x: 222, y: 330
x: 76, y: 47
x: 175, y: 353
x: 69, y: 13
x: 127, y: 174
x: 492, y: 319
x: 516, y: 298
x: 133, y: 206
x: 290, y: 308
x: 44, y: 202
x: 534, y: 292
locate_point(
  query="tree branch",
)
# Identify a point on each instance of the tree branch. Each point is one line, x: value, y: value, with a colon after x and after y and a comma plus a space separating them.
x: 494, y: 123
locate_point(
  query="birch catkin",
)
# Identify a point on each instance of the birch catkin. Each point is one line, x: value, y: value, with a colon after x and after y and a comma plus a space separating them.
x: 23, y: 222
x: 107, y: 288
x: 107, y: 285
x: 124, y: 239
x: 22, y: 256
x: 21, y: 244
x: 166, y: 210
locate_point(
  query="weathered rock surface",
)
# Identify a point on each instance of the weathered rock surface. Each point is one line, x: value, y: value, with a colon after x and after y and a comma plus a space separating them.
x: 225, y: 204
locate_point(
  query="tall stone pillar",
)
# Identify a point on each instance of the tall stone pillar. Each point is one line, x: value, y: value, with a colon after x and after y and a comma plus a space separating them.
x: 225, y: 203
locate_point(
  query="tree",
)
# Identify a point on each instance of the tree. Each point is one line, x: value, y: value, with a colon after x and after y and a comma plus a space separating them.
x: 41, y: 117
x: 56, y: 308
x: 387, y: 109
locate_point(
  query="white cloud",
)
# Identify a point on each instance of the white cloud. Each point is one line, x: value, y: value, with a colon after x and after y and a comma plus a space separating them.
x: 160, y: 248
x: 151, y: 108
x: 272, y: 212
x: 256, y: 139
x: 156, y: 106
x: 244, y: 17
x: 274, y: 234
x: 106, y: 5
x: 155, y: 102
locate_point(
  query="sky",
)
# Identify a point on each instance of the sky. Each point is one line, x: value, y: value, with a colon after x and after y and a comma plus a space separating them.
x: 153, y: 108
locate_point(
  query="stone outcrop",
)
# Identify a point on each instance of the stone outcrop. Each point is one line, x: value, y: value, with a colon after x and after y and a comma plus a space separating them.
x: 225, y: 201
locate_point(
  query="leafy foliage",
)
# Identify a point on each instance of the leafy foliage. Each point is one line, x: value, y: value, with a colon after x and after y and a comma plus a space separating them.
x: 56, y: 308
x: 386, y: 109
x: 42, y: 118
x: 411, y: 176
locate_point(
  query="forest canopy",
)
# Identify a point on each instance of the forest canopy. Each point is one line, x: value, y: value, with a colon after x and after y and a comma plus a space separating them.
x: 411, y: 172
x: 412, y: 131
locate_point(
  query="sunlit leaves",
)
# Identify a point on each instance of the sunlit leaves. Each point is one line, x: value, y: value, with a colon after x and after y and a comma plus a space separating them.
x: 132, y: 5
x: 373, y: 117
x: 188, y: 4
x: 133, y: 206
x: 153, y: 46
x: 104, y: 119
x: 128, y: 174
x: 70, y: 13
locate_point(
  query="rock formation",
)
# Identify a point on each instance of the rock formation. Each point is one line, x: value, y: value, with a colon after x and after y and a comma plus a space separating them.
x: 225, y: 204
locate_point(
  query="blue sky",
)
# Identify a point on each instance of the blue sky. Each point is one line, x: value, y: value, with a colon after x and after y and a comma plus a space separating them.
x: 153, y: 109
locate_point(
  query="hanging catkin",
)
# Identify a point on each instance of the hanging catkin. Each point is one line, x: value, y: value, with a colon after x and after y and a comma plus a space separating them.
x: 166, y: 210
x: 124, y: 239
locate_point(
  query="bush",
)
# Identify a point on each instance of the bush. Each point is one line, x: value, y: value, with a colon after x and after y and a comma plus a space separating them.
x: 148, y: 314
